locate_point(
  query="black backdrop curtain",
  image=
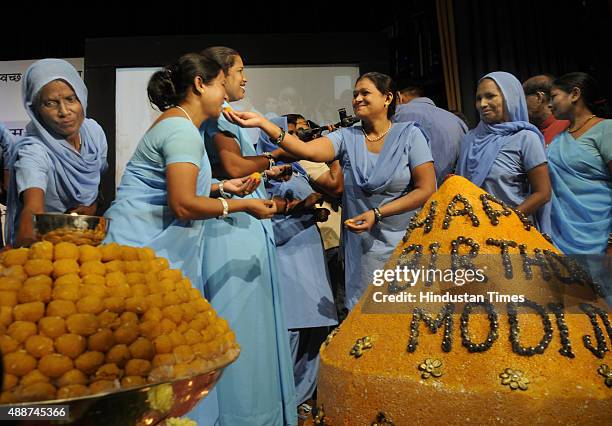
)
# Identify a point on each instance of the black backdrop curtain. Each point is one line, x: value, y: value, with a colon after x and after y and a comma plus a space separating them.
x: 529, y: 37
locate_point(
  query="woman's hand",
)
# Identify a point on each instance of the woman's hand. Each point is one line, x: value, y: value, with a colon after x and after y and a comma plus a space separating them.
x: 307, y: 204
x: 321, y: 214
x: 280, y: 173
x: 244, y: 118
x: 361, y: 223
x: 240, y: 186
x: 261, y: 209
x: 86, y: 210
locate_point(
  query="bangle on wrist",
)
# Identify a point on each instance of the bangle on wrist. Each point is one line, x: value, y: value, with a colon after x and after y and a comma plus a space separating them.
x: 610, y: 239
x: 222, y: 192
x: 225, y: 208
x: 280, y: 138
x: 377, y: 215
x: 271, y: 160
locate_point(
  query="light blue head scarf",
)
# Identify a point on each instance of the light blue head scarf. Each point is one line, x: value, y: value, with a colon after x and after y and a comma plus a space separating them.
x: 77, y: 175
x: 481, y: 145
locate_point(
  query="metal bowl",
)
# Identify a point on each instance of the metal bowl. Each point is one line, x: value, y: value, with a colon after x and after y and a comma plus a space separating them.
x: 142, y: 406
x: 72, y: 228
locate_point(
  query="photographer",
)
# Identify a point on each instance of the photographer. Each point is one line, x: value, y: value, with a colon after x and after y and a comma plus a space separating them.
x: 388, y: 173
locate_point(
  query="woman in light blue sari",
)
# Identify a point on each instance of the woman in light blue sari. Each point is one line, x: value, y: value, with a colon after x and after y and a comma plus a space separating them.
x: 504, y: 154
x: 241, y: 280
x: 580, y: 164
x: 388, y: 173
x: 56, y: 167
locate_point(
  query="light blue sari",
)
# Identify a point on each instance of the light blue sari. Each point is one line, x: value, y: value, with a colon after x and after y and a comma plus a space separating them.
x: 140, y: 215
x: 582, y: 191
x: 372, y: 180
x: 241, y: 281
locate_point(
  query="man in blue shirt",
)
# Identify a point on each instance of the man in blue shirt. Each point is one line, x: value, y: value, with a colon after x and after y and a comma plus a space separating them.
x: 443, y: 129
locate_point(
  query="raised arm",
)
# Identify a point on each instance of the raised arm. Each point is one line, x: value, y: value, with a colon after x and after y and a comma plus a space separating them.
x: 319, y: 150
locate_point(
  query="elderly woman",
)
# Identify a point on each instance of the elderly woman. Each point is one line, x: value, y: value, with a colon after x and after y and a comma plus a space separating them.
x: 57, y: 166
x: 580, y: 163
x: 504, y: 154
x: 388, y: 173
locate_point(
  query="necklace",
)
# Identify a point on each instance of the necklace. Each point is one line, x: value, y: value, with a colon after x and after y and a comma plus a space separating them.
x: 181, y: 108
x: 583, y: 124
x: 379, y: 137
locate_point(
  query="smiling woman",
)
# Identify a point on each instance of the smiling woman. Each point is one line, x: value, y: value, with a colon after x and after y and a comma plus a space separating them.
x: 504, y: 154
x: 57, y: 167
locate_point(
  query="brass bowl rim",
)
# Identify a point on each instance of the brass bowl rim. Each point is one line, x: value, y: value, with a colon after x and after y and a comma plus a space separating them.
x: 67, y: 401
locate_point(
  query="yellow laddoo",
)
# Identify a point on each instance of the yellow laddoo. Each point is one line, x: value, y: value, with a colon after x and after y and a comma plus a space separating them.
x: 35, y: 267
x: 35, y: 392
x: 42, y: 250
x: 83, y: 324
x: 8, y: 298
x: 108, y: 372
x: 34, y: 376
x: 61, y: 308
x: 73, y: 391
x: 64, y: 267
x: 70, y: 345
x: 9, y: 284
x: 38, y: 346
x: 15, y: 257
x: 92, y: 267
x: 72, y: 377
x: 19, y: 363
x: 89, y: 362
x: 93, y: 279
x: 66, y: 250
x: 32, y: 311
x: 118, y: 355
x: 89, y: 253
x: 90, y: 304
x: 21, y: 330
x: 52, y: 326
x: 101, y: 340
x: 35, y: 289
x: 55, y: 365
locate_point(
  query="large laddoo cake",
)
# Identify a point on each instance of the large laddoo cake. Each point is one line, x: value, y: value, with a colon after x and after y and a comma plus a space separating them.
x: 526, y: 344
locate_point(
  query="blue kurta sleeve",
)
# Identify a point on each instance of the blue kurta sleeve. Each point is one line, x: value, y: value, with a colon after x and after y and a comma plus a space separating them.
x: 183, y: 145
x: 532, y: 150
x: 604, y: 143
x: 419, y: 149
x: 32, y: 168
x: 337, y: 141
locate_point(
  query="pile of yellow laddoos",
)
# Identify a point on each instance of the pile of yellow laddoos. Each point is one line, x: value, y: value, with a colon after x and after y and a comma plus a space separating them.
x: 80, y: 320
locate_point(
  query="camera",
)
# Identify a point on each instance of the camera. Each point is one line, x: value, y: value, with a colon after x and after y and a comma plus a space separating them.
x: 316, y: 131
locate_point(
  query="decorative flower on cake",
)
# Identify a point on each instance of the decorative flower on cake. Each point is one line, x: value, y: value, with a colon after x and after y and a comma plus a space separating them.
x: 361, y: 345
x: 431, y: 367
x: 514, y: 378
x: 606, y: 371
